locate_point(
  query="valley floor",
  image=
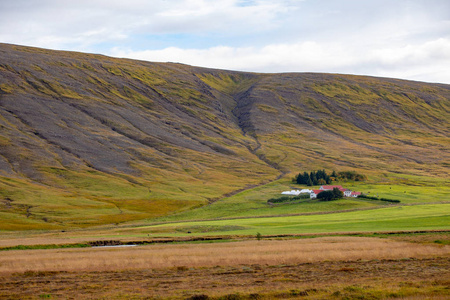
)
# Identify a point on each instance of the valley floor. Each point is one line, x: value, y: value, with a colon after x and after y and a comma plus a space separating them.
x: 411, y: 267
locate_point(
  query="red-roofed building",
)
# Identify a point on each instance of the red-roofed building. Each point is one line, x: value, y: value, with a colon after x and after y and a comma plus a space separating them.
x: 331, y: 187
x: 355, y: 194
x: 346, y: 192
x: 314, y: 193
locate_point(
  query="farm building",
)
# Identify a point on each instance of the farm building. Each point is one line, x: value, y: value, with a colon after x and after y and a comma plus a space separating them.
x: 313, y: 193
x: 347, y: 192
x: 296, y: 192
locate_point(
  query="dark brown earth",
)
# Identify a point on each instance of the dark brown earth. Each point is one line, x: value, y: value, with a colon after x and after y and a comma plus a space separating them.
x: 375, y: 279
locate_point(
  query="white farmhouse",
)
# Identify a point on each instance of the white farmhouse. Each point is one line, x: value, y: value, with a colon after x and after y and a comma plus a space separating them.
x: 347, y: 193
x: 314, y: 193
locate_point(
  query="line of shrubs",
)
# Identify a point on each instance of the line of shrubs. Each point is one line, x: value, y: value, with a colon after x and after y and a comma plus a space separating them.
x: 379, y: 199
x: 288, y: 198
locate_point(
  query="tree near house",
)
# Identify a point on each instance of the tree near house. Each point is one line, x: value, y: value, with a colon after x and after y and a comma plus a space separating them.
x: 313, y: 177
x: 326, y: 196
x: 333, y: 174
x: 329, y: 195
x: 338, y: 194
x: 319, y: 177
x: 302, y: 178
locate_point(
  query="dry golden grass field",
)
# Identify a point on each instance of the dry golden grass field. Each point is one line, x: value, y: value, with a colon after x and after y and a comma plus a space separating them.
x: 318, y: 268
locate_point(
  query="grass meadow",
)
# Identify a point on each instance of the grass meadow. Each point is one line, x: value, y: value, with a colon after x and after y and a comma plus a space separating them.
x: 91, y: 198
x: 425, y: 205
x: 253, y: 202
x: 395, y: 218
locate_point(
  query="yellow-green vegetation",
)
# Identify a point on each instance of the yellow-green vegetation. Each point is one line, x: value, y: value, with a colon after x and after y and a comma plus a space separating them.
x: 5, y: 88
x: 267, y: 108
x: 4, y: 141
x: 82, y: 199
x: 138, y: 97
x: 113, y: 70
x: 228, y: 83
x: 351, y: 94
x: 150, y: 77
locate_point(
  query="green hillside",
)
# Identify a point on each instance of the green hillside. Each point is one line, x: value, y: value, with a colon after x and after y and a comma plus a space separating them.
x: 89, y: 140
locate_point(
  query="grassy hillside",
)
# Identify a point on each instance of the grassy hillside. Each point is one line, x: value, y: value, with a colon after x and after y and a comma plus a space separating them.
x: 88, y: 140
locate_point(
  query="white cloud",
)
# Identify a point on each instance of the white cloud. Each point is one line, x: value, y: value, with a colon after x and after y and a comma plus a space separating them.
x: 304, y: 55
x: 67, y: 22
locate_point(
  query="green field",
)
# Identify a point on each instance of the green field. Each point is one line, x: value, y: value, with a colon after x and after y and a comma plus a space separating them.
x: 424, y: 206
x: 397, y: 218
x: 253, y: 202
x: 421, y: 207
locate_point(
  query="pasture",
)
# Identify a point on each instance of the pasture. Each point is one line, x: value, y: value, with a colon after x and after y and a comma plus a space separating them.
x: 395, y: 218
x: 253, y: 202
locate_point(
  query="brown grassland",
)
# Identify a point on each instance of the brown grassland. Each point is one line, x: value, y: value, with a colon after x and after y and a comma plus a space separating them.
x: 318, y: 268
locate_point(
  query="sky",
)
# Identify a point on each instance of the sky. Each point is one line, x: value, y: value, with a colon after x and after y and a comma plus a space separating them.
x: 408, y: 39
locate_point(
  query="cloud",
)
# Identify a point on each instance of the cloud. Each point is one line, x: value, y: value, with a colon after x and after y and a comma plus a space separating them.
x: 413, y: 54
x: 55, y: 23
x: 429, y: 61
x: 305, y: 55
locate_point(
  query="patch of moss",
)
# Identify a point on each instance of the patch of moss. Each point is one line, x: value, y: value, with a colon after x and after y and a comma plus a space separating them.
x: 267, y: 108
x: 83, y: 66
x: 113, y: 70
x: 146, y: 76
x: 6, y: 88
x: 227, y: 83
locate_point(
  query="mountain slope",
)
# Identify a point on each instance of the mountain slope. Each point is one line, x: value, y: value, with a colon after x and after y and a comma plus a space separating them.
x: 87, y: 139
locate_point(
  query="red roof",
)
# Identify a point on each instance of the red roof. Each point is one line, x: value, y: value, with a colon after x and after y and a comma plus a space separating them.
x: 330, y: 187
x: 356, y: 193
x: 317, y: 191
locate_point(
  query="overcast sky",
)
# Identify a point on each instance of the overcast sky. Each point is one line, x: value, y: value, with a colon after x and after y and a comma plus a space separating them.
x: 390, y: 38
